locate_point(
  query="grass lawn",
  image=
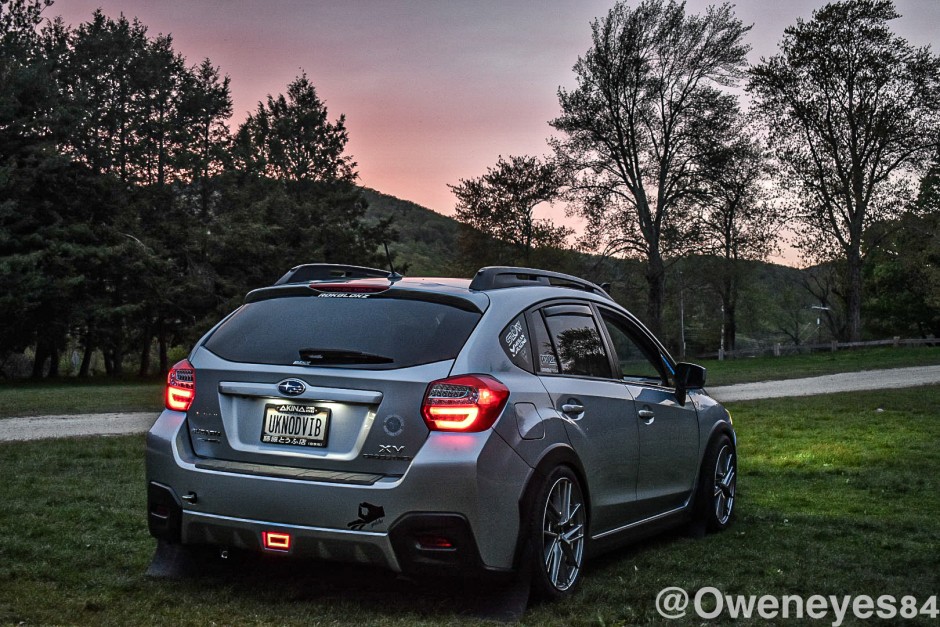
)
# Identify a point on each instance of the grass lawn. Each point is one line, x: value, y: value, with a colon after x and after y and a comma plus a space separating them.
x: 72, y: 396
x: 835, y: 498
x: 750, y: 369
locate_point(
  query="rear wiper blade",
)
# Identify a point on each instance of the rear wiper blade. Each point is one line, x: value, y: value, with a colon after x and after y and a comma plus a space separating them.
x: 317, y: 356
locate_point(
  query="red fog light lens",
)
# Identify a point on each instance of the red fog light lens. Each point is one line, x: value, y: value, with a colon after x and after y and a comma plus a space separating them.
x: 276, y: 541
x: 180, y: 386
x: 464, y: 403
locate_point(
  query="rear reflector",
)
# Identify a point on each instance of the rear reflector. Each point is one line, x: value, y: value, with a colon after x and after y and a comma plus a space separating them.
x: 180, y: 386
x: 464, y: 403
x: 434, y: 543
x: 276, y: 541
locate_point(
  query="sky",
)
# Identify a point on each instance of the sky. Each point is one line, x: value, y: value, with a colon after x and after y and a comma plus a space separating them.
x: 433, y: 91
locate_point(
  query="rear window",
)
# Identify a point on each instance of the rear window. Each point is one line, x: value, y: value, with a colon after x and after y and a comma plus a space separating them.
x: 387, y: 332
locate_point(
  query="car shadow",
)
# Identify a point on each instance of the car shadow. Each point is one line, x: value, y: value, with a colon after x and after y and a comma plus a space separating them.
x: 498, y: 598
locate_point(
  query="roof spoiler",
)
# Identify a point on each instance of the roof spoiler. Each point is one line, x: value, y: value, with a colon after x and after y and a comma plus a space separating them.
x: 308, y: 272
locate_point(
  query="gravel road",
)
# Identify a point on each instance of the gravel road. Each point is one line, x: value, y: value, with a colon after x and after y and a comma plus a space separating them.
x: 42, y: 427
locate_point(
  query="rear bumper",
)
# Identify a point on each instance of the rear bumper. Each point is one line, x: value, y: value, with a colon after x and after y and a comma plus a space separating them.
x: 456, y: 508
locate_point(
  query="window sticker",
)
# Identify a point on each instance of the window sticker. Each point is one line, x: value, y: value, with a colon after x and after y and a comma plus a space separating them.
x: 515, y: 342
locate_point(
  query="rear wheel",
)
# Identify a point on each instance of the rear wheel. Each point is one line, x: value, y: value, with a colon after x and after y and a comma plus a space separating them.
x: 717, y: 484
x: 558, y: 532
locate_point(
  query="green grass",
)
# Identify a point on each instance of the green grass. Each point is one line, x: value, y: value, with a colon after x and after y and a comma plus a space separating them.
x: 835, y: 497
x: 750, y: 369
x: 79, y: 397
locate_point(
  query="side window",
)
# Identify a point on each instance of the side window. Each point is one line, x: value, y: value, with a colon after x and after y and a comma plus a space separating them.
x: 515, y: 342
x: 577, y: 341
x: 633, y: 356
x: 546, y: 360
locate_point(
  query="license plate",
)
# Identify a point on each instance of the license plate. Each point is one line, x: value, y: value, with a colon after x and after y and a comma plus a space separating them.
x: 299, y: 425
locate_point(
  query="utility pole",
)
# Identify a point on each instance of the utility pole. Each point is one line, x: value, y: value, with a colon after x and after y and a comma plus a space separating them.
x: 818, y: 320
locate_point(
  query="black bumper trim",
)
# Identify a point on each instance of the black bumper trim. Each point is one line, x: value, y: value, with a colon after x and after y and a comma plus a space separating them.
x: 285, y: 472
x: 462, y: 558
x: 164, y: 512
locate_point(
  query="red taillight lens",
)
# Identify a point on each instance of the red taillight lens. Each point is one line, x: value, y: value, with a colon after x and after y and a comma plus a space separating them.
x: 181, y: 386
x: 464, y: 403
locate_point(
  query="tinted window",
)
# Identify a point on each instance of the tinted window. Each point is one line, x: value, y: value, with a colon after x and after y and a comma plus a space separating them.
x: 406, y: 332
x: 545, y: 358
x: 515, y: 342
x: 578, y: 345
x: 632, y: 354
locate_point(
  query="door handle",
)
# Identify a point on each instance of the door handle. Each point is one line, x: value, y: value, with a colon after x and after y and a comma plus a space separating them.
x: 646, y: 414
x: 572, y: 408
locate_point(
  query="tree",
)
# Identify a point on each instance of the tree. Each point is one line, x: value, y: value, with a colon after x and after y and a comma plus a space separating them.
x: 292, y: 198
x: 648, y: 86
x: 291, y: 138
x: 853, y: 112
x: 739, y: 222
x: 903, y: 276
x: 501, y: 203
x: 205, y: 107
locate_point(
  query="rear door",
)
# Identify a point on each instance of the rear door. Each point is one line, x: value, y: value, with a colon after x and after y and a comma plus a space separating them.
x: 667, y: 432
x: 600, y: 421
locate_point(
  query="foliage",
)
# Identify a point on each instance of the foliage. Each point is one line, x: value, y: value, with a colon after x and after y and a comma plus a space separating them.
x: 740, y: 221
x: 852, y: 110
x: 501, y: 203
x: 127, y: 214
x: 903, y: 276
x: 291, y: 138
x: 647, y: 88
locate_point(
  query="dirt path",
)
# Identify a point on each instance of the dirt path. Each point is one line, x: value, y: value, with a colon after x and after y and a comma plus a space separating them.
x: 41, y: 427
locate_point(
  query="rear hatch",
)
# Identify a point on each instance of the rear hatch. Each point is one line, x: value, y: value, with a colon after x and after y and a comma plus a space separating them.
x: 315, y: 385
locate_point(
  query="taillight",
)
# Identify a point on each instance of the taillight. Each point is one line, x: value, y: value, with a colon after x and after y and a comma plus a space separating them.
x: 464, y: 403
x: 180, y: 386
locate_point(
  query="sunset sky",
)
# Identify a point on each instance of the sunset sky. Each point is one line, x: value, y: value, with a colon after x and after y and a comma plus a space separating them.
x: 433, y: 90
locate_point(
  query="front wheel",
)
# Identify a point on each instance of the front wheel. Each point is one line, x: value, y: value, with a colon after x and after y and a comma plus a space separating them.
x: 557, y: 528
x: 717, y: 484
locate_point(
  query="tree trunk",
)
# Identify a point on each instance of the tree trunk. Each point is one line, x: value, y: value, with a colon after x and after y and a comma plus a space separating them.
x: 656, y: 279
x: 854, y: 297
x: 39, y: 360
x: 729, y: 299
x: 144, y: 369
x: 730, y: 327
x: 117, y: 362
x: 53, y: 360
x: 85, y: 368
x: 161, y: 342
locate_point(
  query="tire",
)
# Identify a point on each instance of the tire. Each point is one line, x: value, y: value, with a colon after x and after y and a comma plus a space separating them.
x: 557, y: 528
x: 714, y: 501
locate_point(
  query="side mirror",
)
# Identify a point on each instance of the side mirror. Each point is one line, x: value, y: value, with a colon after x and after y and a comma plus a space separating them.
x: 688, y: 377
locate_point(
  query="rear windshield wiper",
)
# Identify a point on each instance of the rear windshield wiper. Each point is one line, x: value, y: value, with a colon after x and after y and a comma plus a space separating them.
x: 318, y: 356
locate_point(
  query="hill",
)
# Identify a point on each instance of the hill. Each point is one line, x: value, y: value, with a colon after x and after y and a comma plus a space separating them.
x: 427, y: 241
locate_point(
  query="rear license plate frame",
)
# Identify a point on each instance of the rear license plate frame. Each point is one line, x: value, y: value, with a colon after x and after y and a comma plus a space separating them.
x: 319, y: 417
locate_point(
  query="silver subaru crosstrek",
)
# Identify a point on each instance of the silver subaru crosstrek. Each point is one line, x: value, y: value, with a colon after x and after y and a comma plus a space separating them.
x: 518, y: 422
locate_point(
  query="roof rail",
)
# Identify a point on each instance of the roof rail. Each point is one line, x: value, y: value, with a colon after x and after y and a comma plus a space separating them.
x: 498, y: 277
x: 331, y: 272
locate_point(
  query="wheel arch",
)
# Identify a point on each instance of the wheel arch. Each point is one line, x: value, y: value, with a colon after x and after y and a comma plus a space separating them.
x: 558, y: 455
